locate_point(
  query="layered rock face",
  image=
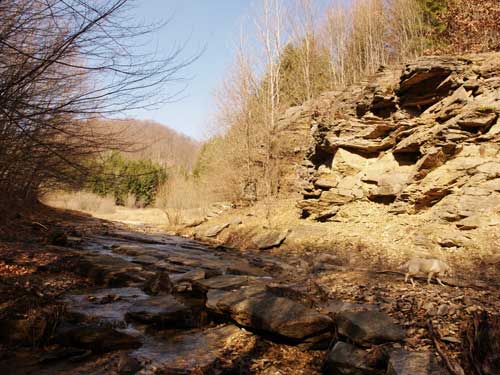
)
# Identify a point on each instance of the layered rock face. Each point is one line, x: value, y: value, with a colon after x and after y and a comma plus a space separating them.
x: 426, y: 140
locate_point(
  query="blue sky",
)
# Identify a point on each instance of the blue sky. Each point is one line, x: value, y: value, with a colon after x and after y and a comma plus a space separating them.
x: 209, y: 24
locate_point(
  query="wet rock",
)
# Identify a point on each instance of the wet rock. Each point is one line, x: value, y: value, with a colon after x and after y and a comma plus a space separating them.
x: 111, y: 314
x: 195, y: 352
x: 160, y: 283
x: 109, y: 270
x: 97, y: 339
x: 225, y: 282
x: 270, y: 238
x: 263, y: 311
x: 130, y: 250
x: 166, y: 312
x: 139, y: 237
x: 402, y: 362
x: 196, y: 274
x: 346, y: 359
x: 213, y: 298
x: 145, y: 260
x: 368, y: 327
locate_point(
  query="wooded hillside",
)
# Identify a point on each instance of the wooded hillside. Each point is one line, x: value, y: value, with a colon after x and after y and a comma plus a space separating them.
x: 146, y: 139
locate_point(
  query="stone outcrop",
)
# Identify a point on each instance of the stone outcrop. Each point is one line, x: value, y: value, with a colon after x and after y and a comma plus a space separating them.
x: 262, y: 310
x: 427, y: 139
x: 368, y: 327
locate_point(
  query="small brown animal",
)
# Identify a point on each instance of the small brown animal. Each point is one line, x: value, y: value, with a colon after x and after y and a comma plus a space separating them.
x: 429, y: 266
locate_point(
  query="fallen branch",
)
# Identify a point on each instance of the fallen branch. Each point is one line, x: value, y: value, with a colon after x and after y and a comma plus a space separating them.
x: 36, y: 223
x: 454, y: 367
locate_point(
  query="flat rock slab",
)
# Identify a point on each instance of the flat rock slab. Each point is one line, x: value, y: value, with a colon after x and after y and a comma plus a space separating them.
x: 190, y: 276
x: 215, y: 295
x: 402, y: 362
x: 368, y: 327
x: 145, y: 260
x: 244, y: 268
x: 346, y: 359
x: 337, y: 307
x: 215, y: 230
x: 142, y: 238
x: 96, y: 338
x: 225, y: 282
x: 194, y: 352
x: 261, y: 310
x: 107, y: 306
x: 207, y: 262
x: 129, y: 250
x: 269, y: 239
x: 109, y: 270
x: 166, y: 311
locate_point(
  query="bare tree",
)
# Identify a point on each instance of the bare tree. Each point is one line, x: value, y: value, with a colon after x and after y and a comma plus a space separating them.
x: 271, y: 36
x: 302, y: 17
x: 63, y: 62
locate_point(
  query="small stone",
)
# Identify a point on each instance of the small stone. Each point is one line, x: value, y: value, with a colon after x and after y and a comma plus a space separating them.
x: 160, y: 283
x: 402, y: 362
x: 128, y: 366
x: 443, y: 309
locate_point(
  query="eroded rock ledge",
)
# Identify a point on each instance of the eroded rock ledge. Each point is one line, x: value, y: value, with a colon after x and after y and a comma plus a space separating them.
x: 426, y: 139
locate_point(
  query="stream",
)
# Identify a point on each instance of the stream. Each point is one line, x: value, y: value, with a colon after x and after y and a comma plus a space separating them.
x: 171, y: 305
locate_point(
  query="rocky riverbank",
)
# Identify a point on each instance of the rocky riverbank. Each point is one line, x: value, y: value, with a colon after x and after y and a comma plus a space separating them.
x: 117, y: 301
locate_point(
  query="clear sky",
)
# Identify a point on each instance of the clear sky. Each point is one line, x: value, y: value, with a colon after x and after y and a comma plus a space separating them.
x: 209, y: 24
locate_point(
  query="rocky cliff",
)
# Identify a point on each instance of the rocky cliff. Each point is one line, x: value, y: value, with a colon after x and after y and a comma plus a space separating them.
x: 406, y: 163
x: 424, y: 141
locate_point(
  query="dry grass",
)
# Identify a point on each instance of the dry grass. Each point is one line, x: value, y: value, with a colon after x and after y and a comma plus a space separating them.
x: 81, y: 201
x: 183, y: 200
x: 105, y: 208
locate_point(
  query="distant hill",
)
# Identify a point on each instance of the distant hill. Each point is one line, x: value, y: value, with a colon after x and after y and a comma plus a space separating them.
x: 151, y: 140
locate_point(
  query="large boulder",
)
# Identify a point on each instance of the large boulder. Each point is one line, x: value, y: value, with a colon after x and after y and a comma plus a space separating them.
x: 368, y: 327
x: 263, y: 311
